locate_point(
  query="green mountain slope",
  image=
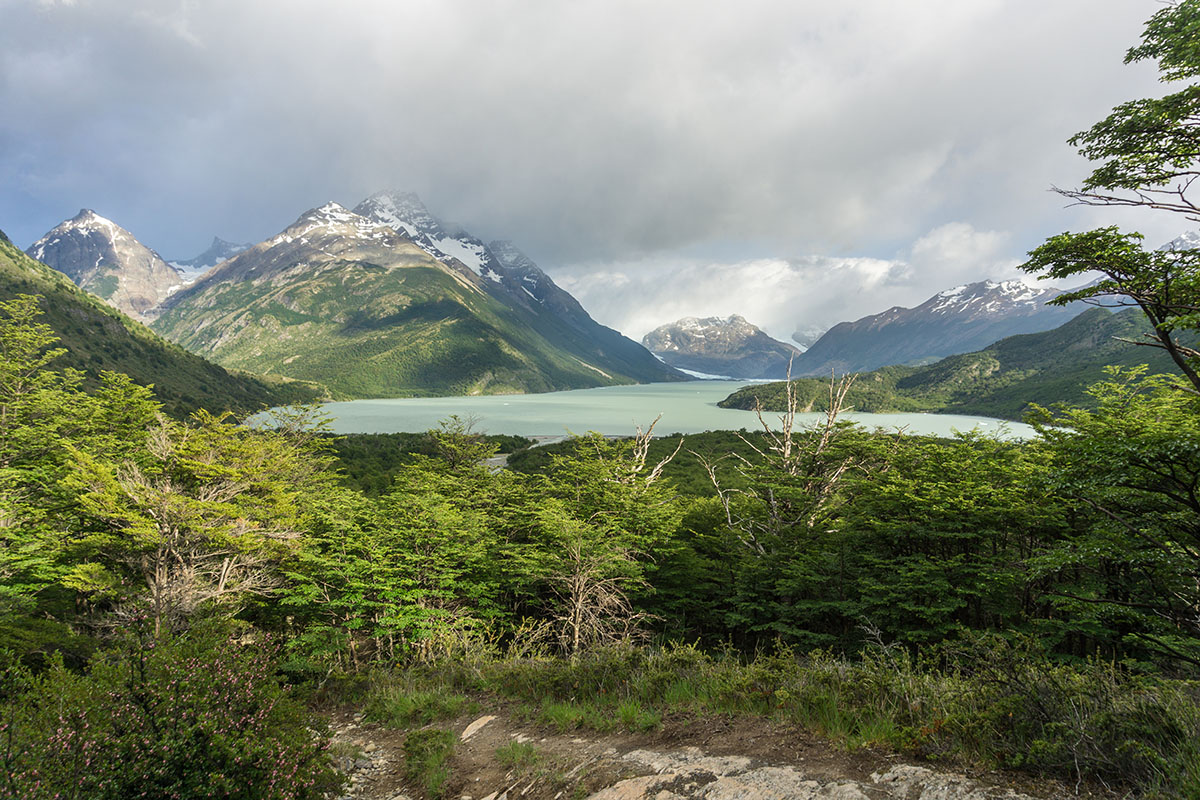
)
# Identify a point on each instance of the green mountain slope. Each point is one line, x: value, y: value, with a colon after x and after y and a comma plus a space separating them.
x: 98, y: 337
x: 351, y: 303
x: 999, y: 381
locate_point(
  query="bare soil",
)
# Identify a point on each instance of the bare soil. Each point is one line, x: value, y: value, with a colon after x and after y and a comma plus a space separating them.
x: 576, y: 764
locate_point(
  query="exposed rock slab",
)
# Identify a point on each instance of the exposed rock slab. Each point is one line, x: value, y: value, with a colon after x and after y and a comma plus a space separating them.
x: 689, y: 774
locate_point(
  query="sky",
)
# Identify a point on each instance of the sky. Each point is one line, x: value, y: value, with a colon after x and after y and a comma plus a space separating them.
x: 793, y: 161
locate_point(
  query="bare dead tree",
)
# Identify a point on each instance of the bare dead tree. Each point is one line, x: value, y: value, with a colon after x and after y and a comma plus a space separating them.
x: 805, y: 458
x: 641, y: 451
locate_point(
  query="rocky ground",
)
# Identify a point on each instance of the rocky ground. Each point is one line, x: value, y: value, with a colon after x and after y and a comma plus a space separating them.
x: 708, y: 759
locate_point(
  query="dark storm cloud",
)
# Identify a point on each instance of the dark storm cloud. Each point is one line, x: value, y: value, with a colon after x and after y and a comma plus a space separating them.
x: 592, y: 133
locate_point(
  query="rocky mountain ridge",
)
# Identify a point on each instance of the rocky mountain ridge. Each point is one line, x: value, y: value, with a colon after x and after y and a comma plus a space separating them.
x: 959, y: 320
x: 715, y: 346
x: 108, y: 261
x: 98, y: 337
x: 362, y: 302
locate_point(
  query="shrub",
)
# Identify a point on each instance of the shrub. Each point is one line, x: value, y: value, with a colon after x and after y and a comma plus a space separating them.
x: 188, y: 717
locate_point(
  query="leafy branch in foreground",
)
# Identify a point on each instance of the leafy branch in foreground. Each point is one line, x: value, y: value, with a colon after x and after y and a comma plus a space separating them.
x: 1165, y: 285
x: 1149, y: 147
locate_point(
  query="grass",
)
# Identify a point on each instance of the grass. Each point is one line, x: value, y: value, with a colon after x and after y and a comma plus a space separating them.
x: 426, y: 756
x: 989, y: 701
x: 519, y: 756
x: 401, y: 706
x: 638, y: 719
x: 566, y: 716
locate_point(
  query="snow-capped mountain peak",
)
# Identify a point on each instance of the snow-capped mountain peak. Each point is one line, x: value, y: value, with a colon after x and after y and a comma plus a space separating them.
x: 1185, y: 241
x: 334, y: 218
x: 104, y: 258
x: 404, y: 212
x: 986, y: 297
x: 729, y: 346
x: 220, y: 251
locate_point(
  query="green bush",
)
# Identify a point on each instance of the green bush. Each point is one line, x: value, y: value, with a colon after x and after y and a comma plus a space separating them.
x: 189, y: 717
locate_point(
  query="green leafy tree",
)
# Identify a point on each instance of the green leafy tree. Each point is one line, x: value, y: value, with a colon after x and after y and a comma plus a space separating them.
x: 1148, y: 148
x: 601, y: 513
x: 1132, y: 570
x: 200, y: 521
x: 1132, y: 573
x: 414, y: 575
x: 940, y: 539
x: 47, y: 422
x: 1165, y: 285
x: 1148, y: 151
x: 793, y: 573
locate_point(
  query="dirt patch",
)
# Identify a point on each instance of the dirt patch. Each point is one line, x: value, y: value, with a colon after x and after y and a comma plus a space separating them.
x: 507, y: 758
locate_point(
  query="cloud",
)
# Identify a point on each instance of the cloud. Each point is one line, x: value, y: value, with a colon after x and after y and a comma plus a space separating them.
x: 957, y: 253
x: 782, y: 296
x: 590, y: 130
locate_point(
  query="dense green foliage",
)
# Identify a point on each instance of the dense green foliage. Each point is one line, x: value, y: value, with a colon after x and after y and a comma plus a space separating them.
x: 1002, y: 380
x: 369, y: 461
x: 97, y: 338
x: 156, y: 717
x: 832, y: 537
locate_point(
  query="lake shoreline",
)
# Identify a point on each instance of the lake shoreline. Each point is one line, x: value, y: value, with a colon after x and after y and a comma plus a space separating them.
x: 681, y: 407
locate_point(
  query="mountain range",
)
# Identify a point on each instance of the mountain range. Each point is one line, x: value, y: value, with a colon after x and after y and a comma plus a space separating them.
x: 1001, y: 380
x: 713, y: 346
x: 98, y: 337
x: 388, y: 301
x: 958, y: 320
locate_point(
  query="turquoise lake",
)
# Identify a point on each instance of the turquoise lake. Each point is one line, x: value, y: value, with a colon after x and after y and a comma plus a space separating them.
x: 688, y: 407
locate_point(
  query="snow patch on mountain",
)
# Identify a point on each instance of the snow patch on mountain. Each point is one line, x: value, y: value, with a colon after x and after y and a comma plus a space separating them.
x: 105, y: 259
x: 220, y: 251
x: 404, y: 212
x: 333, y: 218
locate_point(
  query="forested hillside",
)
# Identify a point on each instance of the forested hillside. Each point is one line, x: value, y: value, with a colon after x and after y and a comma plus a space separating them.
x: 834, y: 538
x: 1003, y: 380
x: 96, y: 337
